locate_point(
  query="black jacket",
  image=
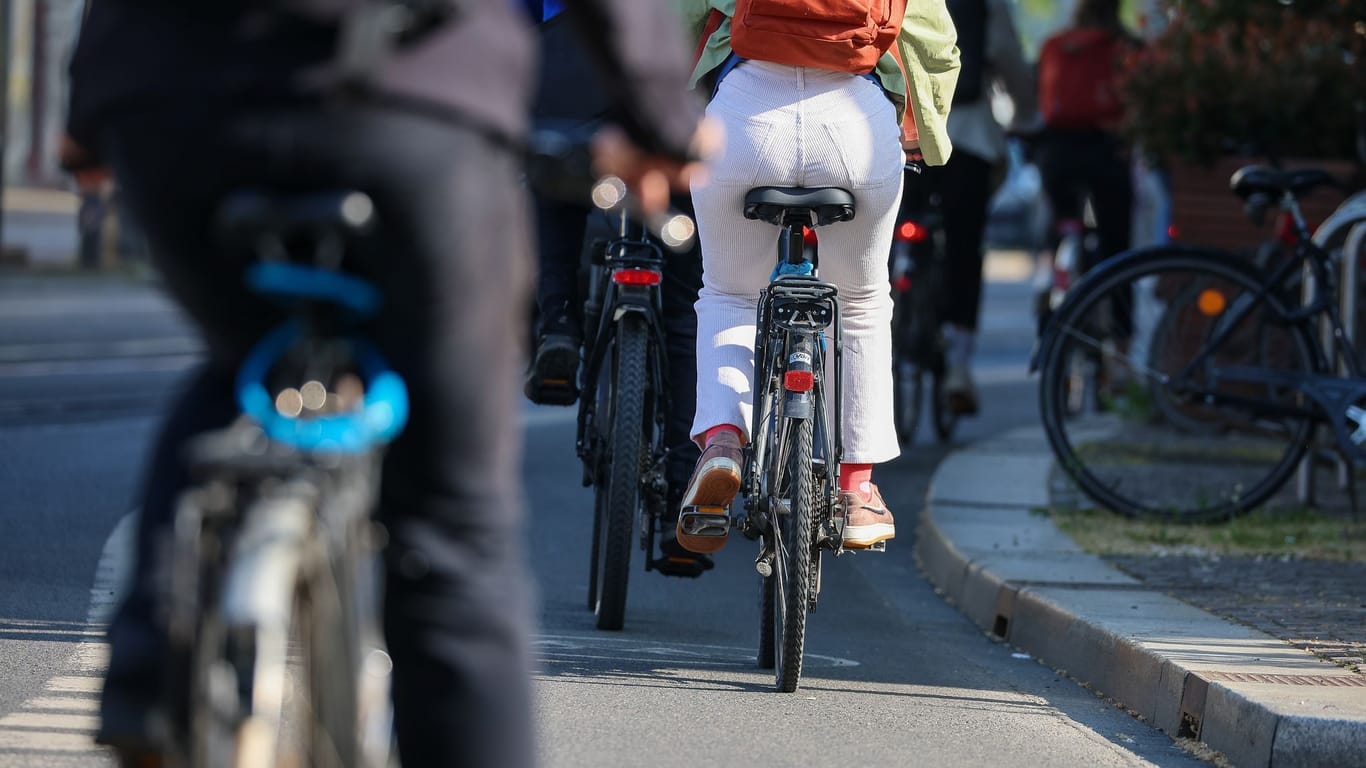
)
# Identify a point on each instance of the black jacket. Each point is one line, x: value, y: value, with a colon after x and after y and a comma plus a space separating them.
x: 478, y: 68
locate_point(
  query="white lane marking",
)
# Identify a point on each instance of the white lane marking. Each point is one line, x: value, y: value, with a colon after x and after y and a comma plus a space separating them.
x: 63, y: 718
x: 48, y: 720
x: 63, y: 704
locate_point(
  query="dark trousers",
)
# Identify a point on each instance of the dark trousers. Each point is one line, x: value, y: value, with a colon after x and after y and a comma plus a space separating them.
x: 564, y: 230
x: 964, y: 186
x: 1074, y: 165
x: 451, y: 255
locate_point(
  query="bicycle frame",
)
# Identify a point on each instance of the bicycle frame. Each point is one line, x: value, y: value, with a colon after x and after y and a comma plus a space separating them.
x: 793, y: 313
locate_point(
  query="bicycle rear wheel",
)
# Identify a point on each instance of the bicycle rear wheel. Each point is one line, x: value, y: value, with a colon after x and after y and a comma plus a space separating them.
x: 792, y: 505
x: 1164, y: 388
x: 619, y: 498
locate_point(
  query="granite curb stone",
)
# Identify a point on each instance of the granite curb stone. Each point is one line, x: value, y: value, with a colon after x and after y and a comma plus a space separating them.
x: 1255, y: 698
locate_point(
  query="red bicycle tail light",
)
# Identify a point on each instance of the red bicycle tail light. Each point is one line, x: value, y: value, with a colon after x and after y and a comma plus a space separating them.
x: 808, y: 235
x: 1173, y: 232
x: 911, y: 232
x: 799, y: 381
x: 902, y: 283
x: 637, y: 277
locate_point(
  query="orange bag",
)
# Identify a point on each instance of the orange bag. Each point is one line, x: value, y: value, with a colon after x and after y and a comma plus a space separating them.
x: 837, y: 35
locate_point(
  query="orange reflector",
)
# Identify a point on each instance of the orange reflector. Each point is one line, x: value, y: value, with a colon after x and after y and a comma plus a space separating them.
x: 799, y: 381
x: 637, y: 277
x: 911, y: 232
x: 1211, y: 302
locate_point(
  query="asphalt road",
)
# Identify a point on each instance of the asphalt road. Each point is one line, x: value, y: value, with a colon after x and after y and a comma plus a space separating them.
x: 894, y: 675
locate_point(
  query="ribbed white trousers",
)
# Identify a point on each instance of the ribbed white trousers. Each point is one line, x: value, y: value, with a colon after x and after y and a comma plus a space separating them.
x: 799, y: 127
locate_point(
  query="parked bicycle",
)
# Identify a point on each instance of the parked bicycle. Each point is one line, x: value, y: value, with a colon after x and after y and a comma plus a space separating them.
x: 917, y: 273
x: 789, y: 482
x: 273, y: 604
x: 623, y: 408
x: 1211, y: 376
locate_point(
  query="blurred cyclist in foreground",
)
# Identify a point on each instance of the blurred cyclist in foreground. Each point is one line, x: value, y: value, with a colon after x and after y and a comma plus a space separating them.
x: 190, y: 100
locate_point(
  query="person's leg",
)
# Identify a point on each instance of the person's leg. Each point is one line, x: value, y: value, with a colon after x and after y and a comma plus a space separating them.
x: 149, y: 153
x: 682, y: 280
x: 966, y: 192
x: 552, y: 378
x: 458, y: 593
x: 1112, y: 199
x: 850, y: 140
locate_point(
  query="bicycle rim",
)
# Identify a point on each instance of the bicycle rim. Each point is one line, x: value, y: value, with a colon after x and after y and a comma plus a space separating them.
x: 945, y: 420
x: 794, y: 505
x: 623, y: 471
x: 1149, y: 390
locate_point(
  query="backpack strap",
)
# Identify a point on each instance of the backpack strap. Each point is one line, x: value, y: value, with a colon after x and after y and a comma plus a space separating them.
x: 714, y: 20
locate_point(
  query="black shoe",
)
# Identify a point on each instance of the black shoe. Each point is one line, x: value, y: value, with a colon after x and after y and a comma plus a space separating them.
x: 553, y: 378
x: 674, y: 560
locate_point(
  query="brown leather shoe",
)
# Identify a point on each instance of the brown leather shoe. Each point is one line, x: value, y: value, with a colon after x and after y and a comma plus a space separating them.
x: 865, y: 522
x: 714, y: 483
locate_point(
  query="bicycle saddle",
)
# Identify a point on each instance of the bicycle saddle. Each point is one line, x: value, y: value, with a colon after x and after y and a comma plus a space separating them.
x: 248, y: 213
x: 775, y: 204
x: 1252, y: 179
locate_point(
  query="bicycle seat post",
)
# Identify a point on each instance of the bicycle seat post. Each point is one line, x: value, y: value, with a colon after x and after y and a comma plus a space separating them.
x: 792, y: 247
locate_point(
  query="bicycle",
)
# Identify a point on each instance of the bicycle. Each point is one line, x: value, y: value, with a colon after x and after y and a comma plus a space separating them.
x: 1211, y: 377
x: 917, y: 273
x: 622, y: 411
x: 274, y: 591
x: 790, y: 475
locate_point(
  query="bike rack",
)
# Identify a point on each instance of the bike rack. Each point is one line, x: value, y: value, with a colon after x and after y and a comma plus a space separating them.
x: 1347, y: 225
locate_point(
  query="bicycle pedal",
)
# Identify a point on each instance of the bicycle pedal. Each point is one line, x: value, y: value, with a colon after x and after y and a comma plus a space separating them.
x: 704, y: 521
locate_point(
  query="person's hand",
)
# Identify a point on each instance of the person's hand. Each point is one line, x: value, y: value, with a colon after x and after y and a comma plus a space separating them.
x: 650, y: 177
x: 915, y: 159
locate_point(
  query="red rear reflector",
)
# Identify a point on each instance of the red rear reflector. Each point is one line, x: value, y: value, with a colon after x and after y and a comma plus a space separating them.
x: 637, y: 277
x: 902, y: 283
x: 808, y: 235
x: 799, y: 381
x: 911, y: 232
x: 1173, y: 232
x: 1285, y: 228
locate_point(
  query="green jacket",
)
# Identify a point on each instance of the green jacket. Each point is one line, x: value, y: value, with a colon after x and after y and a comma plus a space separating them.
x: 928, y: 44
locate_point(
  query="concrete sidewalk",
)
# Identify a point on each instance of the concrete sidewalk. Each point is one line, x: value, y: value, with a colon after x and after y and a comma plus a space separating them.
x: 1255, y: 698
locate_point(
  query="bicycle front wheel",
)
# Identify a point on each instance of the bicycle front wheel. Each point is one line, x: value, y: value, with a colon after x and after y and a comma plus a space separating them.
x: 1168, y: 386
x: 792, y: 502
x: 619, y: 497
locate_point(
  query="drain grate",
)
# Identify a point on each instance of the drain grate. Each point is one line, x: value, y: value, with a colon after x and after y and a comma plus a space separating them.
x: 1341, y: 681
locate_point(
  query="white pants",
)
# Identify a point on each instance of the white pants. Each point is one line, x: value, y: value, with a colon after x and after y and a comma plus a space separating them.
x: 799, y: 127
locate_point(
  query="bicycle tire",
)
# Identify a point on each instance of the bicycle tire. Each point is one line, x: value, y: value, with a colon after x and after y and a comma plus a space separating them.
x: 624, y: 469
x: 1100, y: 405
x: 906, y: 398
x: 766, y: 613
x: 793, y: 553
x: 945, y: 419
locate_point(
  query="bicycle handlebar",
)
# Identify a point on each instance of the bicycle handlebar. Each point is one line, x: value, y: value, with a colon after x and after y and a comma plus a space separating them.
x: 559, y: 165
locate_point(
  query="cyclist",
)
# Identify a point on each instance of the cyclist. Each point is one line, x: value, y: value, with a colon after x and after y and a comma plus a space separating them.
x: 1079, y: 151
x: 991, y: 54
x: 804, y: 126
x: 188, y: 101
x: 571, y: 91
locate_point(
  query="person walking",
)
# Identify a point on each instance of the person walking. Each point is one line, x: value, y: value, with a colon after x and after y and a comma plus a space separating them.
x: 991, y: 55
x: 188, y: 101
x: 792, y: 124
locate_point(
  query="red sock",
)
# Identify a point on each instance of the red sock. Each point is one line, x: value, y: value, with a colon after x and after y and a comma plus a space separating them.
x: 857, y: 478
x: 719, y: 429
